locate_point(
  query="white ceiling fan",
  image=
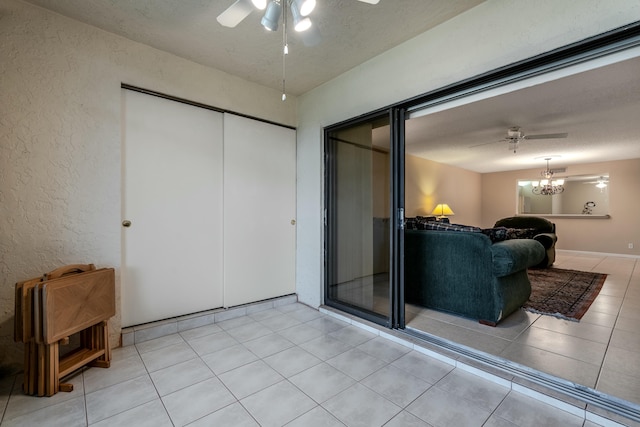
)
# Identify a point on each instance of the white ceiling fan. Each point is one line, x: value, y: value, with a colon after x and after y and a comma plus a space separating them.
x: 515, y: 136
x: 276, y: 11
x: 600, y: 182
x: 239, y: 10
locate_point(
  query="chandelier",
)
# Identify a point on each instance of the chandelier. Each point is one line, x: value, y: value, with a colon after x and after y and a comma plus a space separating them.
x: 547, y: 186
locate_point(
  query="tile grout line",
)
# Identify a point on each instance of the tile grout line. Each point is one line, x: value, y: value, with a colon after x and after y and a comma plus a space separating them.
x: 349, y: 321
x: 572, y: 409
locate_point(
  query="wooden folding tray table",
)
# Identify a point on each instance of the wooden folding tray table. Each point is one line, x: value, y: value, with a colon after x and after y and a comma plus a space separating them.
x: 72, y: 299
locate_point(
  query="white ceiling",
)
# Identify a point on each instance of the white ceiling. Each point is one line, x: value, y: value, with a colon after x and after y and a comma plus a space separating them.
x: 600, y: 109
x: 351, y: 32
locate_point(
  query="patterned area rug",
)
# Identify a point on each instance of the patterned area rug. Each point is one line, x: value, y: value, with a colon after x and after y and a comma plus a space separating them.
x: 566, y: 294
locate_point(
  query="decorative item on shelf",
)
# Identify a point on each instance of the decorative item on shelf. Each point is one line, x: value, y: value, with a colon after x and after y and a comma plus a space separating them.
x: 588, y: 208
x: 441, y: 211
x: 547, y: 186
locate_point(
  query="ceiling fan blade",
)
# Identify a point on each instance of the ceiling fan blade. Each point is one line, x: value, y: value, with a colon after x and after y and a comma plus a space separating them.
x: 547, y: 136
x: 235, y: 13
x: 486, y: 143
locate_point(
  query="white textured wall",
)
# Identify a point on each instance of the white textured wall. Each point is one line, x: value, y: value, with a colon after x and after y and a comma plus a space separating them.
x: 60, y: 131
x: 493, y: 34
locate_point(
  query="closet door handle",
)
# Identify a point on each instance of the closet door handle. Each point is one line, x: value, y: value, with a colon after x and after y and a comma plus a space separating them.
x: 126, y: 223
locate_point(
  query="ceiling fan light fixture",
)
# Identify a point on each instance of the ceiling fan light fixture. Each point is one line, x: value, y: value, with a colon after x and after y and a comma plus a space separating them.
x: 300, y: 23
x: 272, y: 15
x: 305, y: 7
x: 259, y: 4
x: 601, y: 183
x: 514, y: 133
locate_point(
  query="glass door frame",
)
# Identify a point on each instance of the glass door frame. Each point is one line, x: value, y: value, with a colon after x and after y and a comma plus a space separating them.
x: 395, y: 319
x: 616, y: 40
x: 581, y: 52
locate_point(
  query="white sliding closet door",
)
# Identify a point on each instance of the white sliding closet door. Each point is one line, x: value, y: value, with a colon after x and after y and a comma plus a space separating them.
x: 259, y: 210
x: 172, y: 185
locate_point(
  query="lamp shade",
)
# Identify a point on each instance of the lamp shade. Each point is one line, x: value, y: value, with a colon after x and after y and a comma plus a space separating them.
x: 272, y: 15
x: 300, y: 23
x: 304, y: 6
x: 442, y: 209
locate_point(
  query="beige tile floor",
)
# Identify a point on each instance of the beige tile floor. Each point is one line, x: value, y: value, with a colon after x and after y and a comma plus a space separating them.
x: 289, y: 365
x: 602, y: 351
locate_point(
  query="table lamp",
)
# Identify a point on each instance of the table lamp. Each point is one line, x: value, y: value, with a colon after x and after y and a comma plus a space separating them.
x: 442, y: 210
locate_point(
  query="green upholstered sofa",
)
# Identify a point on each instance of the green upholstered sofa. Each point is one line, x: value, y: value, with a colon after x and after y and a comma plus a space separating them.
x: 464, y: 273
x: 543, y: 230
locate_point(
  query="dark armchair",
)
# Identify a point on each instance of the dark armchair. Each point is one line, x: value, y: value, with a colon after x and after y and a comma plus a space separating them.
x: 543, y: 230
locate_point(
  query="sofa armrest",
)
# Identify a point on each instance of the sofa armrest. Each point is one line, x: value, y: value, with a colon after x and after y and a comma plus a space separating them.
x: 548, y: 240
x: 514, y: 255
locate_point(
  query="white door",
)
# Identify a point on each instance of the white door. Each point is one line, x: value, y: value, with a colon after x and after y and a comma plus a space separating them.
x: 172, y: 196
x: 259, y: 210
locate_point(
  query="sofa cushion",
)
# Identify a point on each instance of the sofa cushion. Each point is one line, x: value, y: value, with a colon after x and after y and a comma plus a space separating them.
x: 430, y: 223
x: 418, y: 223
x: 498, y: 234
x: 443, y: 226
x: 517, y: 254
x: 542, y: 225
x: 548, y: 240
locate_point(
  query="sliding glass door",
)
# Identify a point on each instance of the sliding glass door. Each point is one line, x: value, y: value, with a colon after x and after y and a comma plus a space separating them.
x: 359, y: 221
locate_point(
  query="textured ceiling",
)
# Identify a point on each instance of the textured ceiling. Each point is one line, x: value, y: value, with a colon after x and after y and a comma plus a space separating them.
x: 351, y: 32
x: 599, y: 109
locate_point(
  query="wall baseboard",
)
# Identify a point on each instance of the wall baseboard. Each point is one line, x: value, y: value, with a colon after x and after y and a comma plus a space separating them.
x: 148, y: 331
x: 570, y: 252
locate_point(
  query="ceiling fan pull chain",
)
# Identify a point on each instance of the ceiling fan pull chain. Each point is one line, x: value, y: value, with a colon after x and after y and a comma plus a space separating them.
x: 285, y: 48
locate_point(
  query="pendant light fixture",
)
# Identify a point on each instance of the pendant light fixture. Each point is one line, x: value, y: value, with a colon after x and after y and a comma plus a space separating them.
x: 276, y: 10
x: 300, y: 22
x: 547, y: 186
x: 272, y: 15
